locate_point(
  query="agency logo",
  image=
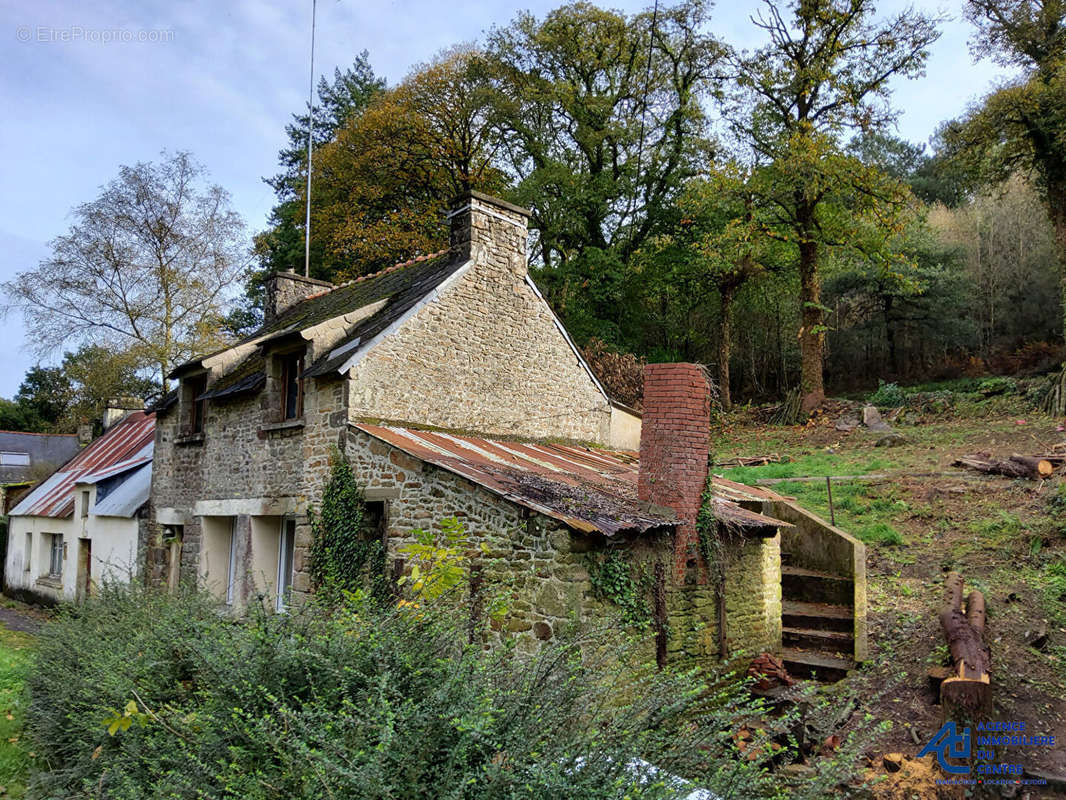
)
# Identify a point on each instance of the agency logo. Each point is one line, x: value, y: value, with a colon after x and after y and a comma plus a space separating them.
x: 948, y: 743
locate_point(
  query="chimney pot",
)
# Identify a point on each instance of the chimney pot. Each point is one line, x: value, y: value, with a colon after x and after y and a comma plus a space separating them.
x: 675, y: 445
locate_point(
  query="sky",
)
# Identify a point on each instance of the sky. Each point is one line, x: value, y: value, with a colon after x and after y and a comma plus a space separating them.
x: 90, y: 85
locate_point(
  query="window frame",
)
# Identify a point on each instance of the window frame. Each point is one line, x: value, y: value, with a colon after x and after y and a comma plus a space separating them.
x: 85, y: 497
x: 197, y: 414
x: 56, y: 548
x: 286, y: 546
x: 15, y: 458
x: 231, y: 572
x: 289, y: 362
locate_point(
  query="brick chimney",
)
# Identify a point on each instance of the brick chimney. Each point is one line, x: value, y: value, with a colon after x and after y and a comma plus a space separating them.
x: 286, y: 289
x: 675, y: 443
x: 489, y: 230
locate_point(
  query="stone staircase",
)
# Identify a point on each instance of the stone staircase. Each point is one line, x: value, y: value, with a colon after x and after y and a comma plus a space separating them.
x: 817, y: 622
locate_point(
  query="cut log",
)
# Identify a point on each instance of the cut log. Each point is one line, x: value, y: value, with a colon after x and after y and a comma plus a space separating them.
x: 969, y: 688
x: 1017, y: 466
x: 750, y: 461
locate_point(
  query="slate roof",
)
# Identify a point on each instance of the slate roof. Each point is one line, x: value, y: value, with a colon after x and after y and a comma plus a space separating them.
x: 43, y: 449
x: 402, y: 286
x: 125, y: 445
x: 587, y: 488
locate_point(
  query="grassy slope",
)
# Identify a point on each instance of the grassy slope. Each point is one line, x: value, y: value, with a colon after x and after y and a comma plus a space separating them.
x: 15, y: 652
x: 1007, y: 538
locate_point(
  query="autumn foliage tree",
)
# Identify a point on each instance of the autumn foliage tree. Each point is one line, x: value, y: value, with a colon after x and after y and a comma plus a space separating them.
x: 382, y: 185
x: 824, y: 71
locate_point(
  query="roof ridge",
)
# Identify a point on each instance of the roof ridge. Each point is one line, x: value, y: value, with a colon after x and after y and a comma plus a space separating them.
x: 379, y: 273
x: 38, y: 433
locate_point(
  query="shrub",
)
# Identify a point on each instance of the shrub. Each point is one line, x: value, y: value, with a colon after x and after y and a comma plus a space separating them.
x: 364, y: 701
x: 888, y: 395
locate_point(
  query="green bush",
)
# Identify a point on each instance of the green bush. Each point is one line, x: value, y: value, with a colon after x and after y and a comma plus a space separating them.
x: 997, y: 385
x: 361, y: 701
x: 888, y: 395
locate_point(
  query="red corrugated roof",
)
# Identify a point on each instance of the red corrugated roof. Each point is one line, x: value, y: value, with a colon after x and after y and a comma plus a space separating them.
x: 588, y: 489
x: 55, y: 496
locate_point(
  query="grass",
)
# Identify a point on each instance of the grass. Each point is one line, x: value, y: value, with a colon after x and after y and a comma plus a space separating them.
x: 864, y: 510
x: 15, y: 756
x: 812, y: 465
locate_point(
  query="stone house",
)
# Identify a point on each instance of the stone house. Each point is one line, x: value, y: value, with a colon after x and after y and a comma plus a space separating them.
x: 453, y: 390
x: 80, y: 526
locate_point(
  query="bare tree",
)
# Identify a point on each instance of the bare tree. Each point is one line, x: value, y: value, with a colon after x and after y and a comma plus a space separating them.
x: 146, y: 268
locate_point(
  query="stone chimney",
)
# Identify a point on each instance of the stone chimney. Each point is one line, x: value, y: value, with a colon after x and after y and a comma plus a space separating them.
x: 119, y: 407
x: 489, y: 230
x: 675, y: 443
x: 286, y: 289
x: 85, y: 432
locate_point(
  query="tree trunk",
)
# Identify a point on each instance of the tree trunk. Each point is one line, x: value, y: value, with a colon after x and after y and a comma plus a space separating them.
x: 725, y: 346
x: 969, y: 689
x: 1017, y: 466
x: 1057, y: 214
x: 812, y: 329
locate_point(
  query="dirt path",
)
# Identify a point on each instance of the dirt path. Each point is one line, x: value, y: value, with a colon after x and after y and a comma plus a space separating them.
x: 19, y: 620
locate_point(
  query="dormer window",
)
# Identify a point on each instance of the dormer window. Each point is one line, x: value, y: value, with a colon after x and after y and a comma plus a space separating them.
x: 195, y: 386
x: 292, y: 386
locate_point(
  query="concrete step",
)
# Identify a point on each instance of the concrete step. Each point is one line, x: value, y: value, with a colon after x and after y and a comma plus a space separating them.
x: 823, y: 616
x: 818, y: 640
x: 811, y: 586
x: 812, y: 664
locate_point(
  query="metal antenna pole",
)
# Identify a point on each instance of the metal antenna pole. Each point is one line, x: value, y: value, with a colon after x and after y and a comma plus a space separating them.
x: 310, y: 132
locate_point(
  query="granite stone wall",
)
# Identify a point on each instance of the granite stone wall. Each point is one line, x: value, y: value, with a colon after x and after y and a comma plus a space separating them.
x: 486, y: 354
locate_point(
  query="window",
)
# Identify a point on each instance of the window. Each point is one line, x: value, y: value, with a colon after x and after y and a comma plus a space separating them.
x: 197, y: 385
x: 29, y: 549
x: 231, y: 578
x: 55, y: 563
x: 292, y: 386
x: 285, y: 548
x: 14, y: 459
x: 85, y: 504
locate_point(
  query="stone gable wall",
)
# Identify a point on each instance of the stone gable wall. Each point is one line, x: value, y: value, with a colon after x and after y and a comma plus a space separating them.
x: 486, y: 355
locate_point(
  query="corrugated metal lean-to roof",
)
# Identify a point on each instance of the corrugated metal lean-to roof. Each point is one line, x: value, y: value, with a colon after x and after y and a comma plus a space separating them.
x: 123, y: 447
x: 588, y: 489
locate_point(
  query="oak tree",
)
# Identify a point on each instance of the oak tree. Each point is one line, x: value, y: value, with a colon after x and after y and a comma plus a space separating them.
x: 824, y: 71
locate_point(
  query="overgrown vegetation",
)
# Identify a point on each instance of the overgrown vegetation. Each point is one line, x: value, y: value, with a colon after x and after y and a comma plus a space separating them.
x: 345, y: 556
x: 624, y: 584
x: 373, y: 702
x: 16, y: 754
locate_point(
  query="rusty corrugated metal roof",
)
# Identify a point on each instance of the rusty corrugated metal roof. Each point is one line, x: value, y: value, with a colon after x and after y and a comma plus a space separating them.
x: 125, y: 445
x: 588, y: 489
